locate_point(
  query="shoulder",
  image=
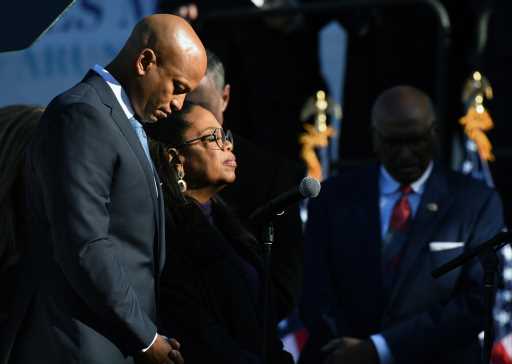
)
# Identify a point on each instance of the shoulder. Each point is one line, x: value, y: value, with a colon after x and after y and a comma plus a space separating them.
x: 189, y: 232
x: 183, y: 220
x: 77, y: 110
x: 86, y: 91
x: 470, y: 199
x: 466, y: 187
x: 77, y: 122
x: 86, y: 96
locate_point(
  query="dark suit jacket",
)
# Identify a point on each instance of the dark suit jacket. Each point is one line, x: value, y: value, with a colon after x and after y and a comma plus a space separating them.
x: 424, y: 320
x: 98, y: 234
x: 207, y: 302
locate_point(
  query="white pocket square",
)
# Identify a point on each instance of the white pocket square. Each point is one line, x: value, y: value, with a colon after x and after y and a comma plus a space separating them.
x: 437, y: 246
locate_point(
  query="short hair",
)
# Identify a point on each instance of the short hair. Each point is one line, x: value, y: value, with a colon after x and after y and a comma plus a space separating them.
x: 215, y: 70
x: 397, y: 100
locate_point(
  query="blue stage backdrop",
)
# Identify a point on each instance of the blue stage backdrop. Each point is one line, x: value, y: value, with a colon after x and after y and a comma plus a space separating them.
x: 91, y: 31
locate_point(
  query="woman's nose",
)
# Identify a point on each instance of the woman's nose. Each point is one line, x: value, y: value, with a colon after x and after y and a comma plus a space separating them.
x: 228, y: 145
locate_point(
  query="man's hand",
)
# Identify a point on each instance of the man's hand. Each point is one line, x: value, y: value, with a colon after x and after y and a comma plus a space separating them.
x: 162, y: 351
x: 175, y: 354
x: 349, y: 350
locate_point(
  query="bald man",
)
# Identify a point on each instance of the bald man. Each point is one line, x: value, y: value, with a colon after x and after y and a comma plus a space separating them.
x: 375, y: 234
x: 97, y: 205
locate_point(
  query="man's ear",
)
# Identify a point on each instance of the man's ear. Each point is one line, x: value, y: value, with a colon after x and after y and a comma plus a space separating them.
x: 226, y: 92
x: 145, y: 60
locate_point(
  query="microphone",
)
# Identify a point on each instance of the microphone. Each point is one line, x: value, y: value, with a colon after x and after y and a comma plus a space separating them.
x: 308, y: 187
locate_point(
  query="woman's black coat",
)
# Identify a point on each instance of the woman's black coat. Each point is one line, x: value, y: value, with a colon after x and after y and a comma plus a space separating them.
x: 206, y: 300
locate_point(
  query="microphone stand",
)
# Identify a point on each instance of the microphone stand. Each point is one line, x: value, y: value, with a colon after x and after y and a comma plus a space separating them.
x: 486, y: 253
x: 263, y: 218
x: 490, y: 263
x: 268, y: 240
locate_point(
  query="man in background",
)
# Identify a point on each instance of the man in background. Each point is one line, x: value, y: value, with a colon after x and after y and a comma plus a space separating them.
x: 375, y: 234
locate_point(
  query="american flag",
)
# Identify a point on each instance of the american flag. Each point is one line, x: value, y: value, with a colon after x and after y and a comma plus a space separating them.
x: 293, y: 334
x: 475, y: 152
x: 502, y: 349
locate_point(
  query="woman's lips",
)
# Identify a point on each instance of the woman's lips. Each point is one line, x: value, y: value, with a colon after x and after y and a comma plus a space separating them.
x: 230, y: 162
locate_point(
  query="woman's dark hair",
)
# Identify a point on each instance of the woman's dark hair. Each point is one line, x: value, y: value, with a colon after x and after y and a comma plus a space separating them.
x: 17, y: 126
x: 165, y: 134
x: 169, y: 133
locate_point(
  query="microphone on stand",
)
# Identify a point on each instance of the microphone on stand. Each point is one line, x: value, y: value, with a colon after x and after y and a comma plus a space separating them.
x: 308, y: 187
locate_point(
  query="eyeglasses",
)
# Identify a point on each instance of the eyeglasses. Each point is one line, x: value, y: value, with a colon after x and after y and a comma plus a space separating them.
x: 217, y: 135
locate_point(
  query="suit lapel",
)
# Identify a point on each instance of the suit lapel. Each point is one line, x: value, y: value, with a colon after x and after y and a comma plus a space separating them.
x: 161, y: 224
x: 374, y: 250
x: 107, y: 97
x: 364, y: 251
x: 433, y: 206
x: 134, y: 142
x: 369, y: 208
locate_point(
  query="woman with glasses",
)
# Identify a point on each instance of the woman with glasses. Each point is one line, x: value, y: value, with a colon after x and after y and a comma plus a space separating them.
x: 211, y: 289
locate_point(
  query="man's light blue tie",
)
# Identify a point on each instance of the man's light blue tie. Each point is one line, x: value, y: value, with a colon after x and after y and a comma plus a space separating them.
x: 141, y: 134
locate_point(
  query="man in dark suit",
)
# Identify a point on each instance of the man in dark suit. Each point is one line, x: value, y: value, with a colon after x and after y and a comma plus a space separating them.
x: 375, y: 234
x: 98, y: 231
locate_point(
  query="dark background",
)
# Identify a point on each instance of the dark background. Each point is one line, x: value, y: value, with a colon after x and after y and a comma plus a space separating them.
x: 274, y: 69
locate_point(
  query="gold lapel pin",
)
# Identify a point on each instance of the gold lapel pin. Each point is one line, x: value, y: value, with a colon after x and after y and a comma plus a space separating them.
x: 432, y: 207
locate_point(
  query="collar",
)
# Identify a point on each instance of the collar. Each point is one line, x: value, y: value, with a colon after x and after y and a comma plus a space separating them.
x: 388, y: 185
x: 206, y: 208
x: 117, y: 89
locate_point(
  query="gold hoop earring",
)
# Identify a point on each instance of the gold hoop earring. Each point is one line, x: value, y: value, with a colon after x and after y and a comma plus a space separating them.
x: 175, y: 161
x: 182, y: 185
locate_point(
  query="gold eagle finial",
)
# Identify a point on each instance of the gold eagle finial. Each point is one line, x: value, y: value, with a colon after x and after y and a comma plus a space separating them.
x: 477, y: 120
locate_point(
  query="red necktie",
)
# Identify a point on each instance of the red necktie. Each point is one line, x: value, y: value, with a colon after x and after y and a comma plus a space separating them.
x: 401, y: 210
